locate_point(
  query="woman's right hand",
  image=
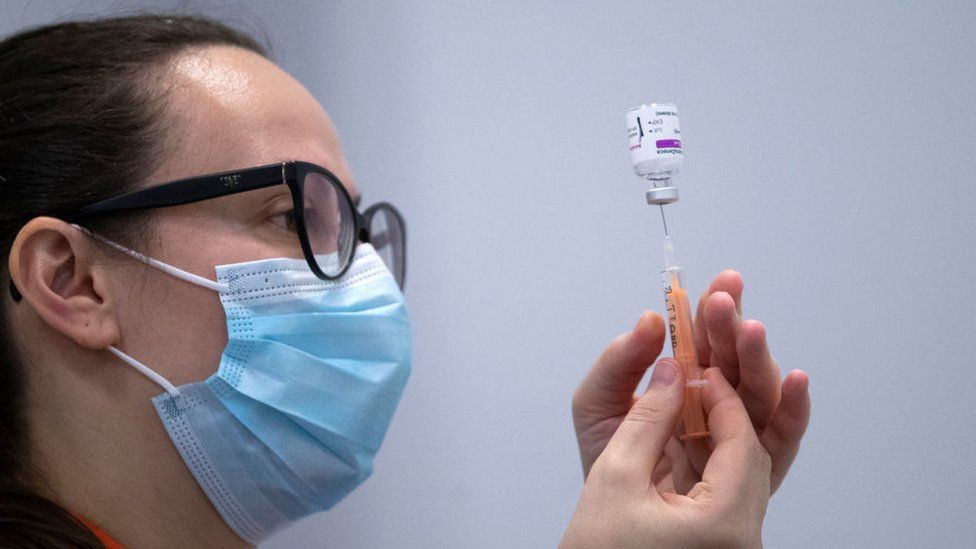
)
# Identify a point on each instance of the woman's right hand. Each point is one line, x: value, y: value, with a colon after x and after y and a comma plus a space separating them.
x: 629, y: 500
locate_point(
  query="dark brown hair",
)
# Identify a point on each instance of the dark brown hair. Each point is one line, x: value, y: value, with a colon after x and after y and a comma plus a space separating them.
x: 82, y: 118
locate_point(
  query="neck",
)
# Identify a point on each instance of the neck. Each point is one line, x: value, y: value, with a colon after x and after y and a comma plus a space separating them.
x: 113, y: 463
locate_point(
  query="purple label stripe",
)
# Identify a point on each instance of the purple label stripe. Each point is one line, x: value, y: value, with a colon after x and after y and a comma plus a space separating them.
x: 668, y: 143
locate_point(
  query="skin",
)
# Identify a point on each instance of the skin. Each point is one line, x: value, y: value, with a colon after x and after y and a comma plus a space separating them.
x: 691, y: 493
x: 629, y: 500
x: 778, y: 409
x: 100, y: 450
x: 96, y: 440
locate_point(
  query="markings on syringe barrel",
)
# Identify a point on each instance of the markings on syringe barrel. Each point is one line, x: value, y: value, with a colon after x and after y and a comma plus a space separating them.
x: 672, y: 318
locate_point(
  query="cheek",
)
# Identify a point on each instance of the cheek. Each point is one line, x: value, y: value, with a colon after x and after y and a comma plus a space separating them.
x: 203, y: 326
x: 176, y: 328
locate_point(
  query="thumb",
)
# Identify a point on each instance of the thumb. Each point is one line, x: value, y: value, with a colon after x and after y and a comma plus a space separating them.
x: 639, y: 441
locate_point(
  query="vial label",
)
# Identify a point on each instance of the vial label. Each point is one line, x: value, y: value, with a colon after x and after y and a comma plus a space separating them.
x: 655, y: 140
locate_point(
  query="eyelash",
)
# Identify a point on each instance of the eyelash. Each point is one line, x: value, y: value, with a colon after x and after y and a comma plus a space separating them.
x: 290, y: 223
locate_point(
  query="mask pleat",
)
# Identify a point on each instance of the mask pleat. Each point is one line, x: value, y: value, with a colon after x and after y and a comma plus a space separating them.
x: 306, y: 388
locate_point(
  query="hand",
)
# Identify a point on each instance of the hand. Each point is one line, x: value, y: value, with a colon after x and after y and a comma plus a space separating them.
x: 628, y: 500
x: 778, y: 411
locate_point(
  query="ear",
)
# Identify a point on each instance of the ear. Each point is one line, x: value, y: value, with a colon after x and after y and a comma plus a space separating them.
x: 51, y: 265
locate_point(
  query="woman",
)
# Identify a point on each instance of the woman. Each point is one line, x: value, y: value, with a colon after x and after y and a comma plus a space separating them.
x: 203, y: 339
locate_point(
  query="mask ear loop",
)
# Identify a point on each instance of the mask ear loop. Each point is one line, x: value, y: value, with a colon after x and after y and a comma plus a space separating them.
x: 170, y: 270
x: 146, y: 370
x: 165, y: 267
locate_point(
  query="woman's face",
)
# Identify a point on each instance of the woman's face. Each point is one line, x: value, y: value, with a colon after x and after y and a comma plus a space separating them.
x: 229, y: 109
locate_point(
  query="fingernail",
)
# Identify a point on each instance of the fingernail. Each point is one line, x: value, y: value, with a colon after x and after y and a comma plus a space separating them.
x: 664, y: 373
x: 804, y: 383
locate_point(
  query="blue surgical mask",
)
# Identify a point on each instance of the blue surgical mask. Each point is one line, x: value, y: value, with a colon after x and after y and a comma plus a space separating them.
x: 305, y: 390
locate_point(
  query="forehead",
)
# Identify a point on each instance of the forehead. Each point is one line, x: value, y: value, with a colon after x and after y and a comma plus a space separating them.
x: 230, y: 108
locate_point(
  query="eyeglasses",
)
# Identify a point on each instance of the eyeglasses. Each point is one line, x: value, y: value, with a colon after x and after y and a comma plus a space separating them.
x: 324, y: 217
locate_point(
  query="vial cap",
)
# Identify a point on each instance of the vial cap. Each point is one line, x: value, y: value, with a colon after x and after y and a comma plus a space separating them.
x: 660, y: 196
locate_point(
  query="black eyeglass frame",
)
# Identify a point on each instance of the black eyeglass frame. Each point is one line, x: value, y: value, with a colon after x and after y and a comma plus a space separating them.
x: 214, y: 185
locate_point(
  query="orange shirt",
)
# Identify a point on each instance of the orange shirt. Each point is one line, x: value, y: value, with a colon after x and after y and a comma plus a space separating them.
x: 107, y: 540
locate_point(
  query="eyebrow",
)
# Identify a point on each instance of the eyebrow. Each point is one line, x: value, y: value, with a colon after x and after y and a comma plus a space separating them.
x: 357, y: 200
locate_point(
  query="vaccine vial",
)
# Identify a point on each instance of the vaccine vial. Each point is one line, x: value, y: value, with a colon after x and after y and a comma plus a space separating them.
x: 654, y: 136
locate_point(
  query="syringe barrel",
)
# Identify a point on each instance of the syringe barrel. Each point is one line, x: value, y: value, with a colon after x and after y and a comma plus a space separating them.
x: 682, y: 329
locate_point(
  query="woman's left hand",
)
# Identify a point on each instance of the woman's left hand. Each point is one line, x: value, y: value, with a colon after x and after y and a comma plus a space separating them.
x: 779, y: 411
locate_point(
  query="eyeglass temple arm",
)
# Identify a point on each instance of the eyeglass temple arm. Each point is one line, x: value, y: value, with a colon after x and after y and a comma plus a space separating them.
x: 193, y: 189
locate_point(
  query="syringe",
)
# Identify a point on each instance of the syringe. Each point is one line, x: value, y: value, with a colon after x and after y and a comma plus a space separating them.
x: 683, y: 345
x: 655, y: 149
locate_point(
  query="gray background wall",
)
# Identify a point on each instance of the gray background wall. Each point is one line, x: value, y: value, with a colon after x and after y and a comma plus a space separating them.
x: 830, y: 148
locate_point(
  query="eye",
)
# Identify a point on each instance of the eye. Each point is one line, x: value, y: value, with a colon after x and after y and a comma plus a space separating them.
x: 285, y: 220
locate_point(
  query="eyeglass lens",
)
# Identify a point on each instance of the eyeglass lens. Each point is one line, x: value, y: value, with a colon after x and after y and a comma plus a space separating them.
x: 329, y: 223
x: 386, y: 234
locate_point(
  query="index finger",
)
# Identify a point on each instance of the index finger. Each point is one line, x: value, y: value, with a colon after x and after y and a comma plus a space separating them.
x: 610, y: 384
x: 738, y: 470
x: 730, y: 282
